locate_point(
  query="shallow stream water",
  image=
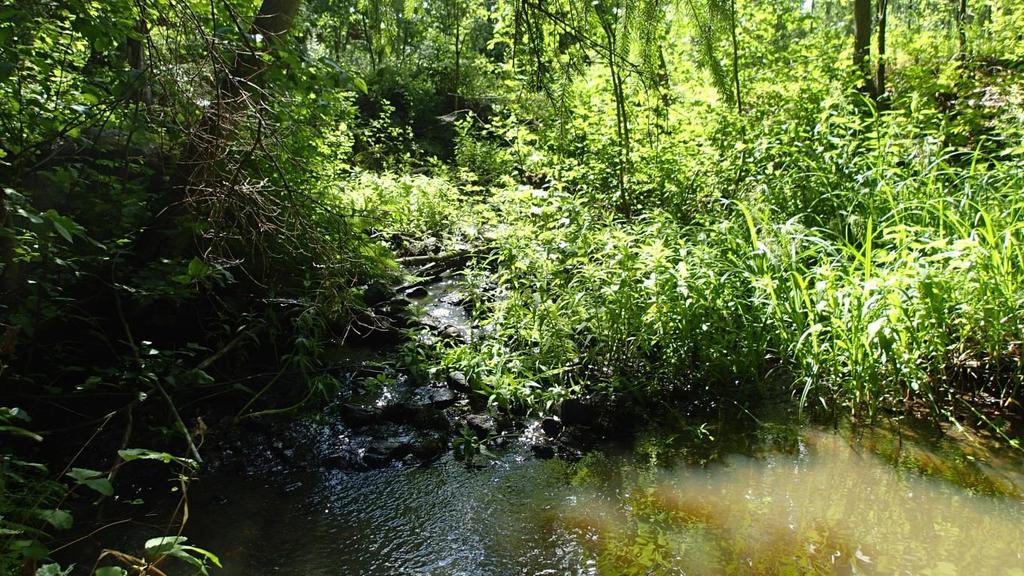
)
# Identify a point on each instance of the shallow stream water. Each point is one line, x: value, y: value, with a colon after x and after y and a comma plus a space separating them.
x: 828, y: 504
x: 768, y: 499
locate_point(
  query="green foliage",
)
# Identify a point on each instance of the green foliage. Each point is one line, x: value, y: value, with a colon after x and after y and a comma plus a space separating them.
x: 468, y: 446
x: 876, y: 295
x: 712, y: 26
x: 852, y: 257
x: 92, y: 479
x: 30, y: 502
x: 34, y: 506
x: 481, y: 153
x: 159, y: 224
x: 55, y: 570
x: 414, y: 207
x: 166, y: 223
x: 175, y: 547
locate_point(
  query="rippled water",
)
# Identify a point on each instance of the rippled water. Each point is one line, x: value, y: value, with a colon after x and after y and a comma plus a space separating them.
x: 775, y: 500
x: 824, y: 504
x: 441, y: 519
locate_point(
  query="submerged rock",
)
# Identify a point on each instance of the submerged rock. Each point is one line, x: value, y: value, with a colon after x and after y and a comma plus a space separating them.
x: 377, y: 293
x: 455, y: 298
x: 401, y: 403
x: 400, y: 303
x: 577, y: 412
x: 455, y: 333
x: 543, y: 451
x: 385, y: 444
x: 358, y: 415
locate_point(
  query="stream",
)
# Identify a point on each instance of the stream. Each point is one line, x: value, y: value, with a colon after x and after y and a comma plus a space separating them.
x: 828, y: 506
x: 762, y: 498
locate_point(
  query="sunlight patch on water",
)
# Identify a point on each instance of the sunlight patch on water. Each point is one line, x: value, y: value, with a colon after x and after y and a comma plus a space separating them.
x: 829, y: 509
x: 809, y: 502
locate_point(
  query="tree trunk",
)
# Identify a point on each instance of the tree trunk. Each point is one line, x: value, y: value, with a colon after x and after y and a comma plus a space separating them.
x: 275, y: 19
x: 368, y: 36
x: 883, y: 9
x: 271, y: 25
x: 10, y: 275
x: 143, y: 92
x: 458, y: 53
x: 621, y: 113
x: 535, y: 36
x: 961, y: 29
x: 664, y: 87
x: 736, y: 57
x: 862, y: 41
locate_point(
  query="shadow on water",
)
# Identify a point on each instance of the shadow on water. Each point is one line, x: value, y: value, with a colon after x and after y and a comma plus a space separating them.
x: 802, y: 501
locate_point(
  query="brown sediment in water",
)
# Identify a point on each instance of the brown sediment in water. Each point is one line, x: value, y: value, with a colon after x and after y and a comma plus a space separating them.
x: 835, y: 509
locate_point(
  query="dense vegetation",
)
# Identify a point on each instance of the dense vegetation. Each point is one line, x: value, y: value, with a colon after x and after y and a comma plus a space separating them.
x: 665, y: 204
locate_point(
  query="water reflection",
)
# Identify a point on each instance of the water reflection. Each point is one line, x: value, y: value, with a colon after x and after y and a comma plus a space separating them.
x: 829, y: 509
x: 810, y: 502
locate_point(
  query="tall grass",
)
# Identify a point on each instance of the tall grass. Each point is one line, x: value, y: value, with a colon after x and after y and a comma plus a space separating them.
x: 879, y: 272
x: 815, y: 247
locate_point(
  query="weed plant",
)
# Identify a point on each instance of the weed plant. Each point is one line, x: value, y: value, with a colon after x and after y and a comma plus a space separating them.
x: 852, y: 258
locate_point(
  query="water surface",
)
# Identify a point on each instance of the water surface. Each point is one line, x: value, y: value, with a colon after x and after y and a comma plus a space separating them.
x: 820, y: 503
x: 440, y: 519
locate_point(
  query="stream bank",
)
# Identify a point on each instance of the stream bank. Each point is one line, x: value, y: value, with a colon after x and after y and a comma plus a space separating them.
x: 379, y: 482
x: 392, y: 407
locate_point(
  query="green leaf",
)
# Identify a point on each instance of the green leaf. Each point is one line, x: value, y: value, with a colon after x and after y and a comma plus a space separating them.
x: 205, y: 553
x: 101, y: 485
x: 93, y: 480
x: 14, y: 413
x: 82, y: 474
x: 15, y: 430
x: 202, y: 377
x: 163, y: 545
x: 62, y: 224
x: 197, y: 268
x: 62, y: 231
x: 361, y: 85
x: 33, y: 218
x: 54, y: 570
x: 143, y: 454
x: 59, y: 519
x: 31, y: 549
x: 111, y: 571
